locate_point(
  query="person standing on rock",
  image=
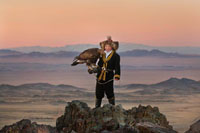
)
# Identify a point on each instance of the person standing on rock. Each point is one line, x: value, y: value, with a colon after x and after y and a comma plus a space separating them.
x: 109, y: 69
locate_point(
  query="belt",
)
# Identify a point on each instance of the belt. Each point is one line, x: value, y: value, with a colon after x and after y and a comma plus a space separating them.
x: 109, y: 70
x: 103, y: 72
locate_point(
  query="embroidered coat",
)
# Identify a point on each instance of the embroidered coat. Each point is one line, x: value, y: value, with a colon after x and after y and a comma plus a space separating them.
x: 111, y: 64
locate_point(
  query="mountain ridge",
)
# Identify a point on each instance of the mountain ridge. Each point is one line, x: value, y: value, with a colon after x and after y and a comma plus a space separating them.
x: 183, y: 86
x: 123, y: 47
x: 64, y: 54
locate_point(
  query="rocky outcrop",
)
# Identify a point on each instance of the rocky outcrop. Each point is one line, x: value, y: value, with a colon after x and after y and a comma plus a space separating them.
x: 194, y: 128
x: 79, y: 118
x: 25, y: 126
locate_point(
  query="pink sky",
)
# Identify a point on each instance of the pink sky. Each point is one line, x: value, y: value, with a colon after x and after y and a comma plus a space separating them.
x: 61, y: 22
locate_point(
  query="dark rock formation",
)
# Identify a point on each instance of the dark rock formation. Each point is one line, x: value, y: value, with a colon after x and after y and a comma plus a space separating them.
x: 25, y: 126
x: 82, y: 119
x: 194, y: 128
x: 79, y: 118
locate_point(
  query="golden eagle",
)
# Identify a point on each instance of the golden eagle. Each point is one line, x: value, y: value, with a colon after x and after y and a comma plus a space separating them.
x: 90, y: 56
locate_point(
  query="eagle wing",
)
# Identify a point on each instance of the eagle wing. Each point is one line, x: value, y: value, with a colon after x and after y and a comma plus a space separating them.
x: 89, y: 54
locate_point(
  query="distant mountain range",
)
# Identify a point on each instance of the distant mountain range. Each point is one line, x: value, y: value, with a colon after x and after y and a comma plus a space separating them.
x: 154, y: 52
x: 171, y: 86
x: 122, y: 48
x: 12, y: 53
x: 38, y: 89
x: 7, y: 52
x: 60, y: 54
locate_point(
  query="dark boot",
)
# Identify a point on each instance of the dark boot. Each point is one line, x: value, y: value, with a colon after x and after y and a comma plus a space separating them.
x: 98, y: 103
x: 112, y: 100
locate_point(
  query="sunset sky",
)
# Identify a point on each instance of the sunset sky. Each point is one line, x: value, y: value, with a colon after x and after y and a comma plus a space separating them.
x: 62, y: 22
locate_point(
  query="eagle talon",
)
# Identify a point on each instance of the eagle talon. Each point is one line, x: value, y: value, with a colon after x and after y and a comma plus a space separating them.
x: 94, y: 70
x: 90, y: 71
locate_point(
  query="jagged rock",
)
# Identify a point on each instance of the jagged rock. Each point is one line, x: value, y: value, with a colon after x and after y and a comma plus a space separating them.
x: 25, y: 126
x: 147, y: 114
x: 147, y: 127
x: 82, y: 119
x: 79, y: 118
x: 194, y: 128
x: 76, y: 113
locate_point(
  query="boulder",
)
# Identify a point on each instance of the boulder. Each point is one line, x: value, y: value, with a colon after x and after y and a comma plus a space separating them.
x: 25, y: 126
x: 194, y: 128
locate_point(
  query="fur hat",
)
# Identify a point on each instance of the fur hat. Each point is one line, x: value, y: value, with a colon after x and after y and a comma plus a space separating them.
x: 113, y: 44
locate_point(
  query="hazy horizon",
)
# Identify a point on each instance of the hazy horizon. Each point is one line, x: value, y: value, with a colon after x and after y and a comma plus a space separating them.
x: 122, y: 43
